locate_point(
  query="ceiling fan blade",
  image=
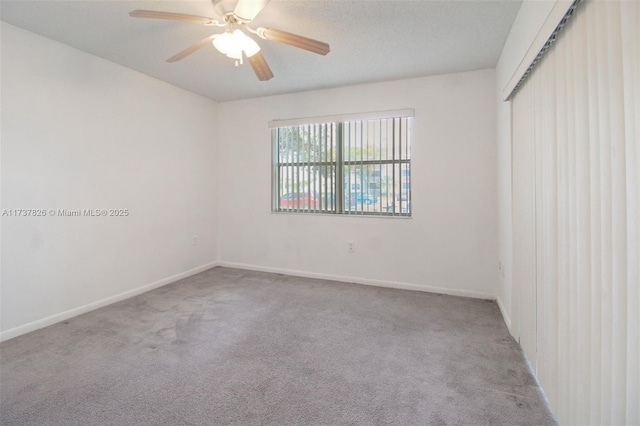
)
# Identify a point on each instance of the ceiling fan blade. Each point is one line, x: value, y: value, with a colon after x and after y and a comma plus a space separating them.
x: 260, y: 67
x: 188, y: 51
x: 246, y: 10
x: 171, y: 16
x: 315, y: 46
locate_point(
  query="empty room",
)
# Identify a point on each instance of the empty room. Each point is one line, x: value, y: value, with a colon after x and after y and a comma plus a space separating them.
x: 320, y: 212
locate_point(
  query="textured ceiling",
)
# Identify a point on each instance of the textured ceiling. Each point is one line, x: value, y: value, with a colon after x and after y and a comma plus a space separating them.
x: 370, y: 40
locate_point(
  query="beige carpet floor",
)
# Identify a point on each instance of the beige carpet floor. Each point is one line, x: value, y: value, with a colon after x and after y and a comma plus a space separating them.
x: 232, y: 347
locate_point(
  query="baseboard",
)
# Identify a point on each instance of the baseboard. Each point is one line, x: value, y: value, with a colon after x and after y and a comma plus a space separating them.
x: 359, y: 280
x: 53, y: 319
x: 503, y: 311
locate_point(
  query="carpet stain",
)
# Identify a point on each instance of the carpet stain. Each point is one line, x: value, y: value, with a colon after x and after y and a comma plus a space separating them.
x: 437, y: 420
x: 188, y: 329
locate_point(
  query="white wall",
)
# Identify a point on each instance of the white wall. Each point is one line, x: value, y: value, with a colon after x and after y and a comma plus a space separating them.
x: 81, y: 132
x: 449, y: 245
x: 528, y: 23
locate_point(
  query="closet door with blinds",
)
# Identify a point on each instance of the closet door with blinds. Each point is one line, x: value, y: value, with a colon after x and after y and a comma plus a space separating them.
x: 578, y: 117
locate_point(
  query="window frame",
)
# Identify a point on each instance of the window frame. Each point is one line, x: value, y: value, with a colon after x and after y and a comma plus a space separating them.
x: 338, y: 205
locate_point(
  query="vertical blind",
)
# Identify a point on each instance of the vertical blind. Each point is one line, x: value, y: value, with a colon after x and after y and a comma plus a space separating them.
x: 353, y: 167
x: 576, y: 216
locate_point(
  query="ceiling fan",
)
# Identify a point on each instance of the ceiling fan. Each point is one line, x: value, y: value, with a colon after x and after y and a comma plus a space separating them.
x: 236, y: 15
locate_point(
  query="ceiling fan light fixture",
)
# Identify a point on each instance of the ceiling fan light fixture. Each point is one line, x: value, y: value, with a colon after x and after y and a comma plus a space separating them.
x: 234, y: 43
x: 250, y: 47
x: 222, y: 42
x: 235, y: 54
x: 237, y: 44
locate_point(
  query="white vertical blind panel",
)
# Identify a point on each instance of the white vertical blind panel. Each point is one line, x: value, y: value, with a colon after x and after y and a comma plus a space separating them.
x: 564, y: 197
x: 524, y: 273
x: 619, y: 217
x: 604, y: 180
x: 594, y: 75
x: 579, y: 117
x: 547, y: 229
x: 630, y: 28
x: 582, y: 214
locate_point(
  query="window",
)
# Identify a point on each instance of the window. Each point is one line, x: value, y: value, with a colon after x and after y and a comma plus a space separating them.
x: 356, y: 165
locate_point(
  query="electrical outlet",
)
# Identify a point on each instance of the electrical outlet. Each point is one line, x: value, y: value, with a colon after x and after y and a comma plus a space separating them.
x: 351, y: 247
x: 195, y: 240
